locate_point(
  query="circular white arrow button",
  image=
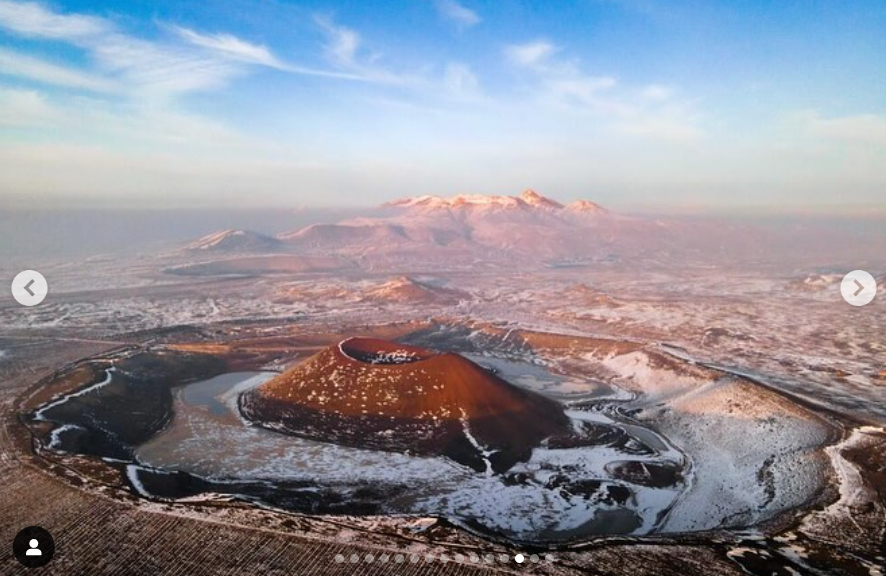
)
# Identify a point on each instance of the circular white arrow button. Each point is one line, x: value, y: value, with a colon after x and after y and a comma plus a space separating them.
x: 29, y: 288
x: 858, y: 288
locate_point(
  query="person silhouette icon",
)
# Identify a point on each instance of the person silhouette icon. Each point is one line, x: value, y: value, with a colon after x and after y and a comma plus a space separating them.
x: 34, y: 551
x: 33, y: 547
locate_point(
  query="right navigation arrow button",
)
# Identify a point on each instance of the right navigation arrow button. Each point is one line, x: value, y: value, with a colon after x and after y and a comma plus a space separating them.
x: 858, y: 288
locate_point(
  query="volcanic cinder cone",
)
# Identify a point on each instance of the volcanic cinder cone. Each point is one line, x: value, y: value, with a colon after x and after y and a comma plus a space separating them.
x: 382, y: 395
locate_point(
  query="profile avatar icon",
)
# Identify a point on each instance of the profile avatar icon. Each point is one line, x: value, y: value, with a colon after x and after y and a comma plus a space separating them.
x: 33, y: 547
x: 34, y: 551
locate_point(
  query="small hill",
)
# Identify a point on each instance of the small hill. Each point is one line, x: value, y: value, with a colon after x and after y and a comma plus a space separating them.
x: 336, y: 236
x: 381, y: 395
x: 584, y: 295
x: 234, y: 241
x: 815, y: 282
x: 409, y: 290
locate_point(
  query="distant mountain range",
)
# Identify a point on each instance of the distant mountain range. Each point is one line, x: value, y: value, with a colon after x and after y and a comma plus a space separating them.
x: 533, y: 228
x: 529, y: 224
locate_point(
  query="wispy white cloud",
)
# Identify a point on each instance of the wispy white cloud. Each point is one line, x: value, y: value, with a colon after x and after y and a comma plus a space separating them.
x: 531, y: 54
x: 583, y: 90
x: 17, y: 64
x: 344, y: 49
x: 239, y: 50
x: 563, y: 83
x: 342, y: 43
x: 160, y: 69
x: 33, y: 19
x: 231, y: 46
x: 186, y: 62
x: 457, y: 13
x: 141, y: 66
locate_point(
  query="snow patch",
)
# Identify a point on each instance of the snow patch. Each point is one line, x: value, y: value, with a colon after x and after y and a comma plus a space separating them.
x: 485, y: 453
x: 39, y: 414
x: 55, y: 435
x: 132, y: 475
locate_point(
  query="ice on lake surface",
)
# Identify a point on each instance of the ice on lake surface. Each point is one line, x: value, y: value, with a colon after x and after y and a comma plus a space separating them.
x: 540, y: 379
x: 208, y: 438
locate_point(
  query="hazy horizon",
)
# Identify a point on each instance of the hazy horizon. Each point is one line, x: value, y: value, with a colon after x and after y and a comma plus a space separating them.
x: 30, y: 235
x: 734, y: 202
x: 146, y: 203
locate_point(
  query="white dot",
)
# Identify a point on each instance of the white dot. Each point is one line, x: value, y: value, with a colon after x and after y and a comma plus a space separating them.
x: 34, y: 543
x: 369, y: 558
x: 475, y: 558
x: 489, y: 558
x: 429, y: 558
x: 518, y: 558
x: 398, y: 558
x: 413, y: 558
x: 534, y: 558
x: 504, y: 558
x: 459, y: 558
x: 354, y: 558
x: 444, y: 558
x: 549, y: 558
x: 339, y: 558
x: 383, y: 558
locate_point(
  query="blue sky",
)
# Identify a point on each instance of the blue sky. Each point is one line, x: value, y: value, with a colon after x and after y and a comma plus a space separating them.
x: 641, y: 104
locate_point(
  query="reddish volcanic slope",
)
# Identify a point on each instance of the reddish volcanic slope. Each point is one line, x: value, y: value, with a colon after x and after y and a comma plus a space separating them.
x: 387, y: 396
x: 406, y: 289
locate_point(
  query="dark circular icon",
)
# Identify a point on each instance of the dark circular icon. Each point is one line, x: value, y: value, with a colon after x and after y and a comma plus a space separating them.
x: 33, y: 547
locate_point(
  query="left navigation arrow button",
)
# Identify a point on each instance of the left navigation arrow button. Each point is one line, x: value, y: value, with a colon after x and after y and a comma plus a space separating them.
x: 29, y: 288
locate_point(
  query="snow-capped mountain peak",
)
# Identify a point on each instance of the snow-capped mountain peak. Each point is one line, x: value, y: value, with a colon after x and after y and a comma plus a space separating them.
x: 528, y: 199
x: 455, y: 202
x: 533, y: 198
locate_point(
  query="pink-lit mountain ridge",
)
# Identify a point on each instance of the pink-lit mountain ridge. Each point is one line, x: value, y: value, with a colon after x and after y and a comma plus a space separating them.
x: 529, y: 224
x: 531, y: 228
